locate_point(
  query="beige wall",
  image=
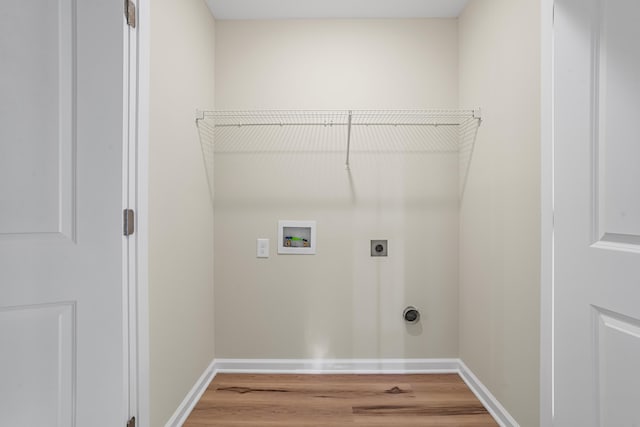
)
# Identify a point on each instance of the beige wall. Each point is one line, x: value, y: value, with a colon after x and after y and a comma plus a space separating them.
x: 340, y: 303
x: 500, y: 213
x: 180, y: 219
x: 330, y: 64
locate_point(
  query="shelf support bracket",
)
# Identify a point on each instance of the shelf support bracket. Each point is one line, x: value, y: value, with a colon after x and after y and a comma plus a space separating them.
x: 349, y: 137
x: 477, y: 114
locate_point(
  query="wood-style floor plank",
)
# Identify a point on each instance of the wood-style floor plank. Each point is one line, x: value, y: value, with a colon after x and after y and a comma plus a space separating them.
x: 339, y: 400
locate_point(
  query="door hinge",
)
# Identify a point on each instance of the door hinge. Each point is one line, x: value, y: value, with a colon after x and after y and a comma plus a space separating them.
x: 130, y: 13
x: 129, y: 221
x: 131, y: 422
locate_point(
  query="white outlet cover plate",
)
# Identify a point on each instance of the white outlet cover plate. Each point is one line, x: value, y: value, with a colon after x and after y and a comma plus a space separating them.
x: 262, y: 248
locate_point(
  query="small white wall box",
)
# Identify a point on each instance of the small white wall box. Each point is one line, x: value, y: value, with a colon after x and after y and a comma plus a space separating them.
x: 297, y: 237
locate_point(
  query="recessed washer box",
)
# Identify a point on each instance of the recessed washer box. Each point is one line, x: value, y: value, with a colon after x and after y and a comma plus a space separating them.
x: 297, y: 237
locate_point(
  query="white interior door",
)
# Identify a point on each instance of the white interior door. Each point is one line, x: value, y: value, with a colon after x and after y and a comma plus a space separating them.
x: 597, y: 213
x: 62, y: 333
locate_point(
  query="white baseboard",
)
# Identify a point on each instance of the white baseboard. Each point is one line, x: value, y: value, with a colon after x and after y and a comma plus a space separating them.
x: 337, y: 366
x: 182, y: 413
x: 497, y: 411
x: 342, y: 366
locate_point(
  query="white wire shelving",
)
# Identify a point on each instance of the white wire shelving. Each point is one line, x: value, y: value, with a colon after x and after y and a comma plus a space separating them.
x: 441, y: 130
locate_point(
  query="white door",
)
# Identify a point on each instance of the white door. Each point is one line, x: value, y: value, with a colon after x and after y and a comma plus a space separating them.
x: 597, y: 213
x: 62, y: 333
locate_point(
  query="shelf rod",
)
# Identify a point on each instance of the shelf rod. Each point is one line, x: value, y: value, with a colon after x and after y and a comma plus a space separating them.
x: 349, y: 138
x: 239, y: 125
x: 406, y: 124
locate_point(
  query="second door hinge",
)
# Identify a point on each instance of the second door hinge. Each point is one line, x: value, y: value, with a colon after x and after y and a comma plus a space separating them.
x: 130, y: 13
x: 129, y: 221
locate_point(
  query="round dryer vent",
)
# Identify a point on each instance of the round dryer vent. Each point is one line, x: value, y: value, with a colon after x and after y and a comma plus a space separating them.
x: 411, y: 314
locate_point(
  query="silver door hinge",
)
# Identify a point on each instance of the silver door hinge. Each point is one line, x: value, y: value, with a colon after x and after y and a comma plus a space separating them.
x: 131, y: 422
x: 129, y: 221
x: 130, y: 13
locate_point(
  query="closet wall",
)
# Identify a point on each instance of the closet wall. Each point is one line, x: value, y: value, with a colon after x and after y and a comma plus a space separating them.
x: 500, y: 212
x: 341, y: 302
x: 471, y: 269
x: 180, y: 213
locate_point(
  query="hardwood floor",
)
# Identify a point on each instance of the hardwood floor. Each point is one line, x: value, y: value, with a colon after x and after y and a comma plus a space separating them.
x: 339, y: 400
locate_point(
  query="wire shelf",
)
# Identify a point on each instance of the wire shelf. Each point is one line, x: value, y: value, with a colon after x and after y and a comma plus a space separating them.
x: 380, y: 131
x: 338, y: 117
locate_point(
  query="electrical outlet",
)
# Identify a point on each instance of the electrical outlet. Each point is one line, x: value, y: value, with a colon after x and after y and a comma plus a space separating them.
x: 262, y: 248
x: 379, y: 248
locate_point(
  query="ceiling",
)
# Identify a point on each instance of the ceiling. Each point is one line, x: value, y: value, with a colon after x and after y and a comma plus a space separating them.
x: 321, y: 9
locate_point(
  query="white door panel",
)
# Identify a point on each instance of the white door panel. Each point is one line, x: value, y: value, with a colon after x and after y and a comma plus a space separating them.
x: 618, y: 140
x: 38, y: 346
x: 36, y: 193
x: 618, y: 371
x: 62, y: 330
x: 597, y: 213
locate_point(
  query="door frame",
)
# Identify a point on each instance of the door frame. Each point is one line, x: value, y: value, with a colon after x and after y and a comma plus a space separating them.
x: 135, y: 196
x: 546, y: 213
x: 139, y: 257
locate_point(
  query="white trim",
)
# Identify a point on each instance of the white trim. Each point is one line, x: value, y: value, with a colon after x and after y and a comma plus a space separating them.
x: 497, y: 411
x: 142, y: 208
x: 182, y: 413
x: 546, y: 214
x: 127, y: 268
x: 337, y: 366
x: 130, y: 244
